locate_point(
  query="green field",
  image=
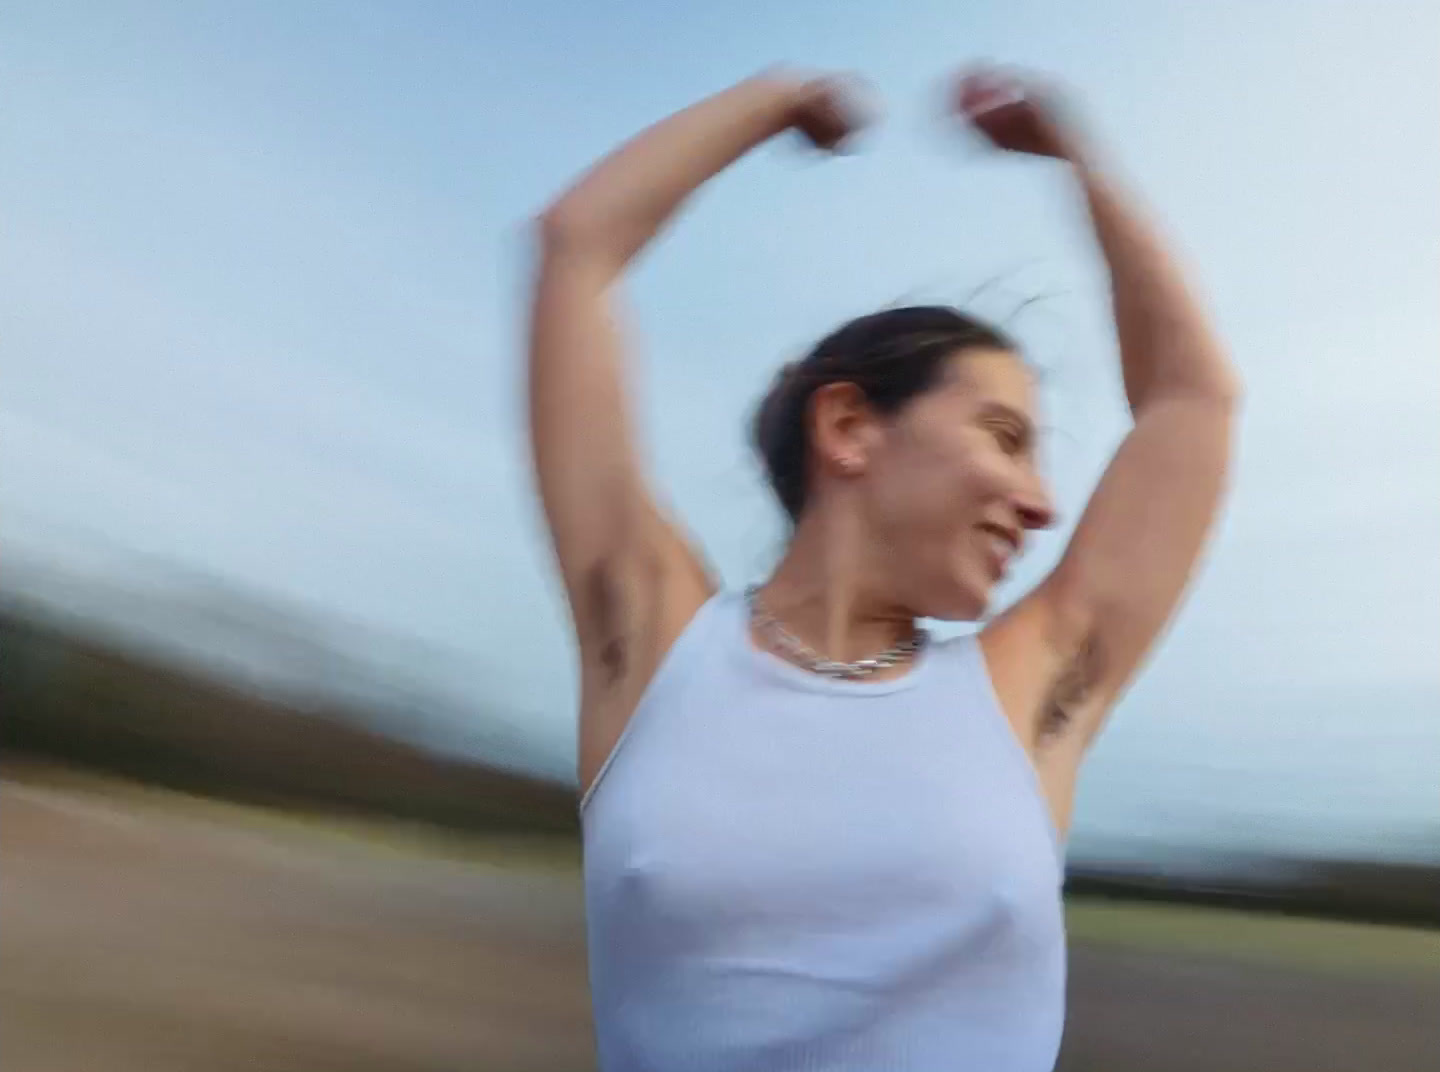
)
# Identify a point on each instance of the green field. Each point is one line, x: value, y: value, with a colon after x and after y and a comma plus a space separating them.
x: 1261, y: 938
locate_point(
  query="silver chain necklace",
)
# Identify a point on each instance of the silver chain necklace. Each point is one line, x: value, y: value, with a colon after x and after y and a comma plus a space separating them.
x: 797, y: 651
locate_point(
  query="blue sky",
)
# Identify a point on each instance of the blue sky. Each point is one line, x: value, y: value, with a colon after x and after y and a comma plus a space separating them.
x: 261, y: 281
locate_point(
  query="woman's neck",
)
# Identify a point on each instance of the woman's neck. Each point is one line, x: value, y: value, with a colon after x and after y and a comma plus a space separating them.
x: 828, y: 596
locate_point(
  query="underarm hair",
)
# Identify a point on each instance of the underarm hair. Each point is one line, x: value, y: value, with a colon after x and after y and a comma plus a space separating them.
x: 1072, y: 689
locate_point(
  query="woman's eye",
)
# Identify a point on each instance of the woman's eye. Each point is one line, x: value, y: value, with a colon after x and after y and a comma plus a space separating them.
x: 1008, y: 439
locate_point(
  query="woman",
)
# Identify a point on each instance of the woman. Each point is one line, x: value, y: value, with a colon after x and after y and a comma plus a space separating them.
x: 812, y: 838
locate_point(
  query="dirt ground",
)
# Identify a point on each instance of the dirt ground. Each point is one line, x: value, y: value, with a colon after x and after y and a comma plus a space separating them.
x: 140, y: 937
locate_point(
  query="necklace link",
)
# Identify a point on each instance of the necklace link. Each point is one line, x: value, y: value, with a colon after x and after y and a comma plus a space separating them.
x: 797, y: 651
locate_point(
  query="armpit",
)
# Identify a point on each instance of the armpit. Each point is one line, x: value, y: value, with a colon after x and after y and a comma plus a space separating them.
x: 1073, y: 689
x: 606, y: 625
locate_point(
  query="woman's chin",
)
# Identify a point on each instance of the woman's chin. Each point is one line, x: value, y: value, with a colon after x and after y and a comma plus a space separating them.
x: 961, y: 603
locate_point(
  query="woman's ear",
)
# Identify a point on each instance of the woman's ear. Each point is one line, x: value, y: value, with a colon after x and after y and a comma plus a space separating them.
x: 843, y: 429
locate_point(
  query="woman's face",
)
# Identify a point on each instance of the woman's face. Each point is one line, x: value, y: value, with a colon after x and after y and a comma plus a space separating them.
x: 950, y: 485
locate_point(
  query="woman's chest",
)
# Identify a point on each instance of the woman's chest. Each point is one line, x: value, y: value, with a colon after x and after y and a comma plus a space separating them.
x: 822, y: 825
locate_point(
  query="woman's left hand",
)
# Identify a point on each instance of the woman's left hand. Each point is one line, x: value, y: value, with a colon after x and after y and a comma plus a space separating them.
x: 1014, y: 115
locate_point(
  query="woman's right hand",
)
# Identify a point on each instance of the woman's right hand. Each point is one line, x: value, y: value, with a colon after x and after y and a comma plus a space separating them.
x: 827, y: 112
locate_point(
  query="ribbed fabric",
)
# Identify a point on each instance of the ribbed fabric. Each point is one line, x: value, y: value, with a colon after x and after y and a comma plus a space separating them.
x: 788, y: 872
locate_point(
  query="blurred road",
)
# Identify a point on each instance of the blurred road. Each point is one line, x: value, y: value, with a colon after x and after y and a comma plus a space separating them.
x: 137, y: 940
x: 135, y: 937
x: 1139, y: 1010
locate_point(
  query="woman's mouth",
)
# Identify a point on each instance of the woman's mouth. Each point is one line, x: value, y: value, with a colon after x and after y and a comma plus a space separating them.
x: 1001, y: 544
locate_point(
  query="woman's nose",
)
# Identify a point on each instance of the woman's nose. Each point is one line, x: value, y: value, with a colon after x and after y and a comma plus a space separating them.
x: 1035, y: 507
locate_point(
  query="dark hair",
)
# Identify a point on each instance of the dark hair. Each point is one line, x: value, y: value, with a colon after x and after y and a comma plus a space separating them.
x: 892, y: 356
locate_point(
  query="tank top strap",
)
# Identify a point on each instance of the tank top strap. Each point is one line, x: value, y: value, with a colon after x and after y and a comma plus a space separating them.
x: 672, y: 674
x: 963, y: 687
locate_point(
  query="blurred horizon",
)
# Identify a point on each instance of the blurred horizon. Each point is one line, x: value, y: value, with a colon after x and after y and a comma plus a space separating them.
x: 204, y: 628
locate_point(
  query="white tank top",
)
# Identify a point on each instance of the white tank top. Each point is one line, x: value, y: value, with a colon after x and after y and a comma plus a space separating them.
x: 784, y: 871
